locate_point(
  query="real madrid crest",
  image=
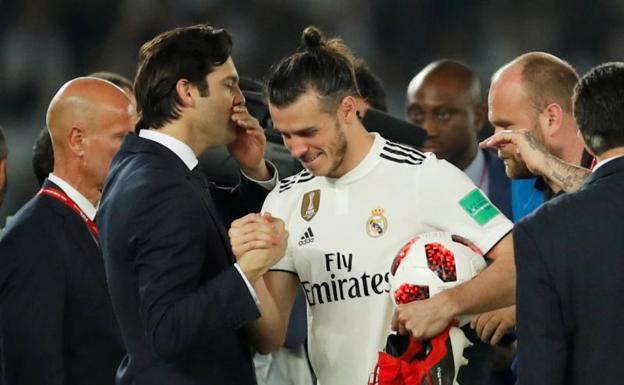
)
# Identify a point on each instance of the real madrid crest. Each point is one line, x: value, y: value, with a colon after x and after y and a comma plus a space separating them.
x: 376, y: 224
x: 310, y: 204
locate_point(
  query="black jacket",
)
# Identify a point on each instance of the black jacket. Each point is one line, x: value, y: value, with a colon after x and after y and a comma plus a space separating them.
x: 181, y: 304
x: 57, y: 321
x: 569, y: 261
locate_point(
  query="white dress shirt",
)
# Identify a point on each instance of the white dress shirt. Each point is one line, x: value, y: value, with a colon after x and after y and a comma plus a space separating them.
x: 605, y: 161
x: 73, y: 194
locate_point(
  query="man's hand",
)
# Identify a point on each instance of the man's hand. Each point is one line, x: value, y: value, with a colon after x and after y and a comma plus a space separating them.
x: 424, y: 319
x: 493, y: 325
x: 528, y: 149
x: 559, y: 174
x: 258, y: 242
x: 248, y: 147
x: 255, y: 231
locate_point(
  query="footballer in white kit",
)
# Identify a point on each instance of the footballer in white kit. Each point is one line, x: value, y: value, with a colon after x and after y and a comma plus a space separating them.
x: 345, y: 232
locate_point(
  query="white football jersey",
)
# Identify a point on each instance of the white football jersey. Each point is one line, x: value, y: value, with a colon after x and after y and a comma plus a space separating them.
x: 345, y: 232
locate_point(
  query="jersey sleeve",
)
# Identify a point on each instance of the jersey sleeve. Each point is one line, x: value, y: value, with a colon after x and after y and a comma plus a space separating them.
x: 449, y: 201
x: 274, y: 204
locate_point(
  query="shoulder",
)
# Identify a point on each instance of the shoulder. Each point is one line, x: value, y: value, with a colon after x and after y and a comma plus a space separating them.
x: 41, y: 215
x: 289, y: 191
x: 439, y: 172
x: 401, y: 154
x: 140, y: 174
x: 561, y: 211
x: 34, y: 236
x: 304, y: 177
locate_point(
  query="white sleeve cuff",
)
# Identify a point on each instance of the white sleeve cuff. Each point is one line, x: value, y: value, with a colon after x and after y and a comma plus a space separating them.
x: 251, y: 289
x: 267, y: 184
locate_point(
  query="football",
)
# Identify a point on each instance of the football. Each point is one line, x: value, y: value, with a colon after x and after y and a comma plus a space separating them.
x: 433, y: 262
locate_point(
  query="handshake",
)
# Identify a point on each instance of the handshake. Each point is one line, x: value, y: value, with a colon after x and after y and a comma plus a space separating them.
x: 258, y: 242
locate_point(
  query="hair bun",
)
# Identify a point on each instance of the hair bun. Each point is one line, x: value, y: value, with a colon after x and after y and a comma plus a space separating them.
x: 312, y: 38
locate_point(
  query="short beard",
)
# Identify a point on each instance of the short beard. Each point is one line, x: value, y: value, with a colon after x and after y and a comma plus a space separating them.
x: 341, y: 149
x: 521, y: 171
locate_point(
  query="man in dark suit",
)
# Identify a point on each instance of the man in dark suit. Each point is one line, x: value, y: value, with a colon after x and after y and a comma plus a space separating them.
x: 184, y: 306
x: 57, y: 321
x: 445, y: 99
x: 569, y: 255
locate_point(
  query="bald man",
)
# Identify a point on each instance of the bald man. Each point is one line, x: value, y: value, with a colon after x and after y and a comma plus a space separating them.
x: 530, y: 105
x: 43, y: 155
x: 536, y: 134
x: 57, y: 322
x: 445, y: 99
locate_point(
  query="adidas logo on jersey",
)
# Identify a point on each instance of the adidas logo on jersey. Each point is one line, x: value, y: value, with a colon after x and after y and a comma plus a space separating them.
x: 307, y: 237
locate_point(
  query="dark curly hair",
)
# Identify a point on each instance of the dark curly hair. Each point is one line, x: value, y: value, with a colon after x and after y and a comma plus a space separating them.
x: 182, y: 53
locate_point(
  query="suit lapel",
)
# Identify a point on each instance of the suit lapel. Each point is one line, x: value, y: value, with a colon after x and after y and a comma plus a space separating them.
x: 91, y: 253
x: 77, y: 230
x: 200, y: 186
x: 134, y: 143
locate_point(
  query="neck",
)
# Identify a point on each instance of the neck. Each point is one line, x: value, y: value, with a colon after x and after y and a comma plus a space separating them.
x: 72, y: 173
x: 359, y: 142
x: 180, y: 130
x: 468, y: 158
x: 572, y: 146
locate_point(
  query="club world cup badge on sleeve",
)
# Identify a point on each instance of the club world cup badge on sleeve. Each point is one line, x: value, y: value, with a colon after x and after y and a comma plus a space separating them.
x: 310, y: 204
x: 376, y: 224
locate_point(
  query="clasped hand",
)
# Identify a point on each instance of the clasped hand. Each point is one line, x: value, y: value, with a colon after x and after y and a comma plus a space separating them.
x: 258, y: 242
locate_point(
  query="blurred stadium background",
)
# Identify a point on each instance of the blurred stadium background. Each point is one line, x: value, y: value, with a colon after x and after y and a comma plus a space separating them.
x: 45, y: 43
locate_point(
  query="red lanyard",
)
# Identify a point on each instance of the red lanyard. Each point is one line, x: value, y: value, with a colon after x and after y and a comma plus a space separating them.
x: 67, y: 201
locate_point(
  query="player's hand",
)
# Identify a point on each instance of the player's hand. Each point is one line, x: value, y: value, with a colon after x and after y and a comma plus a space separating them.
x: 423, y: 319
x: 258, y: 242
x: 527, y: 148
x: 255, y: 231
x: 248, y: 147
x: 493, y: 325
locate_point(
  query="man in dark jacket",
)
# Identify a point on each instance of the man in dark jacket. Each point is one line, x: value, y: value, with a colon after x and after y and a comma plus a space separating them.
x: 183, y: 302
x: 57, y: 320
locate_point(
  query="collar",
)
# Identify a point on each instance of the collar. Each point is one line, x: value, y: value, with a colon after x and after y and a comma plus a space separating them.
x: 368, y: 163
x: 181, y: 149
x: 614, y: 165
x: 74, y: 195
x: 475, y: 169
x: 605, y: 161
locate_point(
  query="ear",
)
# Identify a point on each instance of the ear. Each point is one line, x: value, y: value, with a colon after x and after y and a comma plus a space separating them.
x: 76, y: 141
x: 480, y: 115
x: 362, y: 106
x: 552, y: 119
x: 348, y: 108
x: 184, y: 90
